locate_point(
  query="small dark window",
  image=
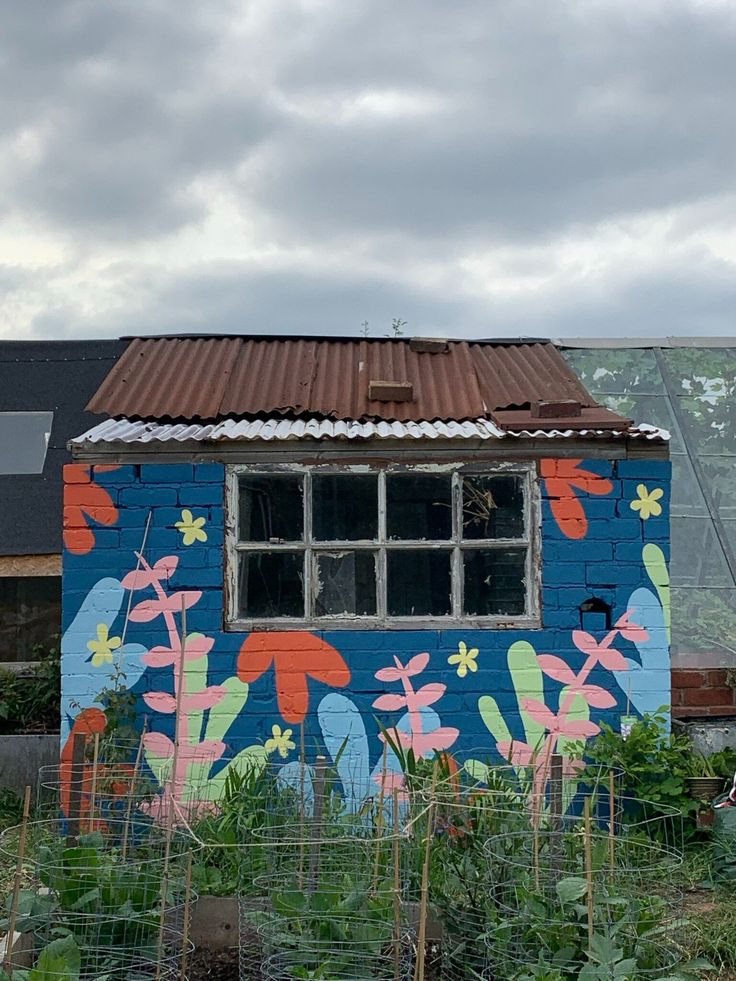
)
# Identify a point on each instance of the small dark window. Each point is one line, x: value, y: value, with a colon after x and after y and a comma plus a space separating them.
x: 493, y: 506
x: 595, y: 614
x: 345, y: 507
x: 271, y: 508
x: 418, y: 583
x: 271, y: 584
x: 494, y: 582
x: 30, y: 616
x: 345, y: 584
x: 418, y: 507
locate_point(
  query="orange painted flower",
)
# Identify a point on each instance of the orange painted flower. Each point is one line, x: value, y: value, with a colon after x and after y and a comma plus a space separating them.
x: 85, y: 501
x: 562, y: 479
x: 296, y: 655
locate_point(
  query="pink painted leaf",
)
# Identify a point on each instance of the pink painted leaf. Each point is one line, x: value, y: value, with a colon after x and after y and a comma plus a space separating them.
x: 158, y: 745
x: 540, y: 713
x: 205, y: 699
x: 426, y: 743
x: 429, y: 694
x: 596, y: 696
x: 166, y: 567
x: 159, y: 657
x: 138, y: 579
x: 612, y: 660
x: 555, y: 667
x: 631, y: 631
x: 390, y: 703
x: 417, y: 664
x: 150, y: 609
x: 579, y: 729
x: 160, y: 701
x: 585, y: 642
x: 198, y: 645
x: 388, y: 674
x: 518, y: 754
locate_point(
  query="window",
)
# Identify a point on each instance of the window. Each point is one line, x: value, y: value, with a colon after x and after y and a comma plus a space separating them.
x: 329, y: 546
x: 30, y: 615
x: 24, y: 438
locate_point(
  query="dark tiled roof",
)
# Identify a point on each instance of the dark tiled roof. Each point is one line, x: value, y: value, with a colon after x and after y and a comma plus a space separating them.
x: 55, y: 376
x: 210, y: 378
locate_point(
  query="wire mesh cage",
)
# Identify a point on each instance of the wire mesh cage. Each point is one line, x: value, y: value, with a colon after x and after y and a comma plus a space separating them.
x: 119, y: 888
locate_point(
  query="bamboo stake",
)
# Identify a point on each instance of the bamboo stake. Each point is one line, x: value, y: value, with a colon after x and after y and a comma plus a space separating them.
x: 75, y: 790
x: 13, y: 918
x: 132, y: 790
x: 187, y: 903
x: 611, y: 821
x: 302, y: 808
x: 588, y: 870
x: 424, y: 897
x: 555, y: 803
x: 93, y: 792
x: 379, y: 817
x: 397, y: 886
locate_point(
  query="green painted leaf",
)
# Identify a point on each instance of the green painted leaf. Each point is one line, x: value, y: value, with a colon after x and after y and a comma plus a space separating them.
x: 195, y: 679
x: 493, y: 719
x: 528, y: 682
x: 228, y: 710
x: 477, y: 771
x: 656, y: 566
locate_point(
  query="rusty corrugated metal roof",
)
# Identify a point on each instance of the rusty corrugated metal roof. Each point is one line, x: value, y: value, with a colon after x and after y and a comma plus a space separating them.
x: 210, y: 378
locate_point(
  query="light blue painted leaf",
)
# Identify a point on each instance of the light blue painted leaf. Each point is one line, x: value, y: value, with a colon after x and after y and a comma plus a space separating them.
x: 644, y: 682
x: 345, y: 737
x: 289, y: 775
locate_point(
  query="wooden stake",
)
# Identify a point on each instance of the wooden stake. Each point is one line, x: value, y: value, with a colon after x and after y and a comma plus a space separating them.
x: 132, y: 790
x: 13, y: 918
x: 75, y: 790
x: 611, y: 821
x: 397, y: 886
x: 177, y: 713
x: 93, y: 792
x: 379, y: 817
x: 187, y: 902
x: 424, y: 896
x: 555, y: 803
x: 588, y: 869
x: 302, y: 806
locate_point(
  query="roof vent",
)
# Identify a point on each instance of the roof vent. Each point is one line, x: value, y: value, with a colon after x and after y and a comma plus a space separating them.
x: 390, y: 391
x: 428, y: 345
x: 556, y: 409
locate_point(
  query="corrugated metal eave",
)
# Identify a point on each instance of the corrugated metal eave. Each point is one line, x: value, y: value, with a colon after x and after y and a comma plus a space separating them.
x: 228, y: 430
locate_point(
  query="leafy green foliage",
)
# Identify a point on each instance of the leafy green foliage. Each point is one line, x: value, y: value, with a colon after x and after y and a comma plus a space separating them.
x: 61, y: 960
x: 30, y: 700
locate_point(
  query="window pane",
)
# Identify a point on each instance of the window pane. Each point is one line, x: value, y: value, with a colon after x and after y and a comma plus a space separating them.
x: 271, y: 584
x: 346, y: 583
x: 494, y: 582
x: 493, y: 507
x: 271, y: 508
x: 419, y: 506
x: 345, y: 507
x: 30, y: 615
x: 418, y: 583
x: 24, y: 437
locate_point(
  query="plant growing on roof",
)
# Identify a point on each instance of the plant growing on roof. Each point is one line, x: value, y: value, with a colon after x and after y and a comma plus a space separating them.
x: 183, y: 765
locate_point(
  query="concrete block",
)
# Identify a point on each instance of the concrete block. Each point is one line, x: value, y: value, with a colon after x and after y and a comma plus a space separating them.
x: 167, y: 473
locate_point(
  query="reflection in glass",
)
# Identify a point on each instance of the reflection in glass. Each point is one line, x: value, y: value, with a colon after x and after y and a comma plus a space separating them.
x: 346, y: 584
x: 271, y: 584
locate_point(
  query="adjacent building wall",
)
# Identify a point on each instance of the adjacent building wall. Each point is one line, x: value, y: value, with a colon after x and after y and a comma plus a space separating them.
x: 481, y: 695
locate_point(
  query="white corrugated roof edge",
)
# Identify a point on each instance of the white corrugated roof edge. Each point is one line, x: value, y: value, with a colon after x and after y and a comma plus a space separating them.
x: 276, y: 429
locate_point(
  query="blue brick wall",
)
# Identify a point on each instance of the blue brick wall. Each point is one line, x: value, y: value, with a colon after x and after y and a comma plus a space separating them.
x: 247, y: 695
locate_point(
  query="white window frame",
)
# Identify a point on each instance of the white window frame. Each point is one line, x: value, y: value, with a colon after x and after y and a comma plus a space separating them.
x: 531, y: 619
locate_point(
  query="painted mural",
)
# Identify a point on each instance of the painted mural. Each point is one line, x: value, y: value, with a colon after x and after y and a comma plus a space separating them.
x: 143, y: 613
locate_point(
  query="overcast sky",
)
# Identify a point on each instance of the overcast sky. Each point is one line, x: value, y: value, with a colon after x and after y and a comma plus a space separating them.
x: 473, y: 167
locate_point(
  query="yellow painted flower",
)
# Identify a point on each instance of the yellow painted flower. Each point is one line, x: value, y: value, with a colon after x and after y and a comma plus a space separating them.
x: 103, y: 647
x: 465, y: 659
x: 279, y: 741
x: 191, y: 528
x: 647, y: 502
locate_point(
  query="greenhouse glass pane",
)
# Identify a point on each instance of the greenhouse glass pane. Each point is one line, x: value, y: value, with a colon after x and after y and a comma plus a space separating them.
x: 697, y: 555
x: 719, y: 473
x: 707, y: 372
x: 617, y: 372
x: 653, y: 409
x: 687, y: 496
x: 710, y: 425
x: 704, y: 622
